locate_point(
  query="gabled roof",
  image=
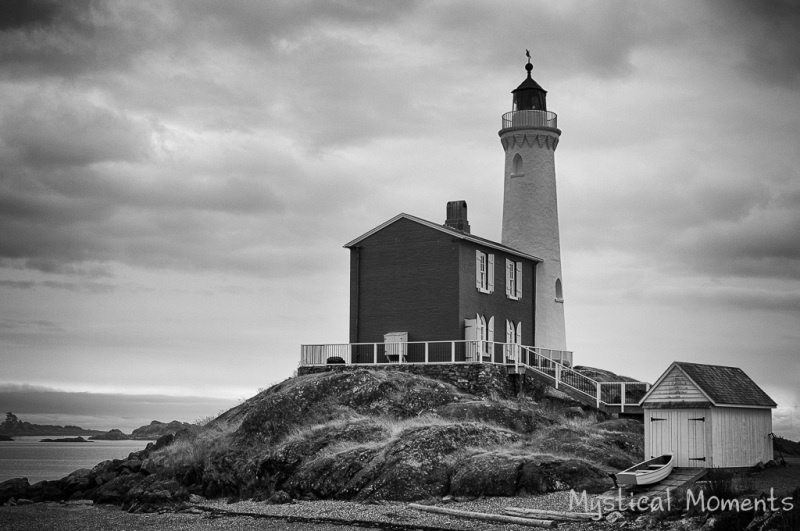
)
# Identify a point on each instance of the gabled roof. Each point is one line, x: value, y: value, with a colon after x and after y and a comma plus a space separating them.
x: 723, y: 386
x: 449, y: 231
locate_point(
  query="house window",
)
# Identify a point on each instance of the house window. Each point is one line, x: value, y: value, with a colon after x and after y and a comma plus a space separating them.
x: 484, y: 272
x: 513, y: 279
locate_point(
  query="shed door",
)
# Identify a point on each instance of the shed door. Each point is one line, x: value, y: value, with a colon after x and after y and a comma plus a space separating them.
x: 696, y: 444
x: 657, y: 428
x: 678, y: 431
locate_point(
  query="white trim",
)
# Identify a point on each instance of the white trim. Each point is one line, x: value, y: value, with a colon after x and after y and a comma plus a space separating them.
x: 447, y: 230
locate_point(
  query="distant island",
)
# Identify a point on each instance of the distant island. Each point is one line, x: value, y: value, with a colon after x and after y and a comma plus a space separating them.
x: 113, y: 435
x: 158, y: 429
x: 13, y: 427
x: 67, y: 440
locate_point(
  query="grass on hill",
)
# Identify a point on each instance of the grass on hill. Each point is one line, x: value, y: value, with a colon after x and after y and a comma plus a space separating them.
x: 369, y: 434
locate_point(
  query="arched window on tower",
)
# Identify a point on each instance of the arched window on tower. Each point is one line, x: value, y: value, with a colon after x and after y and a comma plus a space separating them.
x: 516, y: 168
x: 559, y: 291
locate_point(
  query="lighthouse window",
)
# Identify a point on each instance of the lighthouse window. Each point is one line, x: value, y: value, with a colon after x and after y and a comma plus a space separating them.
x: 559, y: 291
x: 516, y: 170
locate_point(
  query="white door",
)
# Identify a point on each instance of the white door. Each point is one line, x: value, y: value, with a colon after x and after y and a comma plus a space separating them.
x: 681, y: 432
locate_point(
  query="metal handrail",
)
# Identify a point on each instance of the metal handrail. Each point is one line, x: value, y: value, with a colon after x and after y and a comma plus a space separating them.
x: 552, y: 363
x: 530, y: 118
x: 608, y: 393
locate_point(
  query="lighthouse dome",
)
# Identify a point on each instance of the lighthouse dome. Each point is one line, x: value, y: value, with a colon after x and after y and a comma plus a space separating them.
x: 529, y: 95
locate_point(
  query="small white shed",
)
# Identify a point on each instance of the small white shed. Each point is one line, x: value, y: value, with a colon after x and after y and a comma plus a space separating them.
x: 709, y: 416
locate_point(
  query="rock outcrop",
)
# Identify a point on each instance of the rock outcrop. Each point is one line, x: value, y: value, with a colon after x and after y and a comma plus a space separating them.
x: 364, y: 435
x: 157, y: 429
x: 111, y: 435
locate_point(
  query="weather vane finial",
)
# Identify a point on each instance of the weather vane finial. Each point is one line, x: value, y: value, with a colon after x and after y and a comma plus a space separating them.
x: 528, y: 66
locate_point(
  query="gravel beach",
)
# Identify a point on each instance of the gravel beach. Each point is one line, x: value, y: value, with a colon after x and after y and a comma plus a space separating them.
x: 317, y: 515
x: 323, y: 515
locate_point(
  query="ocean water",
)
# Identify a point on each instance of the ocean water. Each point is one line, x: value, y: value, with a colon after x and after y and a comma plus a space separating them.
x: 26, y: 457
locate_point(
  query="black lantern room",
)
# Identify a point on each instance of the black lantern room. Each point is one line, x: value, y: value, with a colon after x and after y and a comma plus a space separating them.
x: 529, y: 96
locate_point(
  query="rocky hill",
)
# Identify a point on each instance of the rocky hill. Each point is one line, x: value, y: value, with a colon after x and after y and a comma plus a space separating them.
x: 371, y: 435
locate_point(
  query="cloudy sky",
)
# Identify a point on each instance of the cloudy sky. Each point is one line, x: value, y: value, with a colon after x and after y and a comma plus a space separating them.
x: 177, y: 181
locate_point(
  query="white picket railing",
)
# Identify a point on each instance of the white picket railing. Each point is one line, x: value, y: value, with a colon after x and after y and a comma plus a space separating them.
x: 557, y: 364
x: 463, y: 351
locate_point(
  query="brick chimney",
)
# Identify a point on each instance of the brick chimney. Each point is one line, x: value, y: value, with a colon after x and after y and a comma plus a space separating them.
x: 457, y: 216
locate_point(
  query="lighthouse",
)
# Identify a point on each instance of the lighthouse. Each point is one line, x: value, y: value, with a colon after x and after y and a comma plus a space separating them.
x: 530, y: 208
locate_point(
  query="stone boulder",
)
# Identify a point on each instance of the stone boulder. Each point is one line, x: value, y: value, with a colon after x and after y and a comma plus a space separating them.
x: 77, y: 482
x: 13, y: 488
x: 45, y: 491
x: 151, y: 493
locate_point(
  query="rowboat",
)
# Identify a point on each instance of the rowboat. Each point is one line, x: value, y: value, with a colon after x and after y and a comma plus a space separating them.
x: 647, y: 472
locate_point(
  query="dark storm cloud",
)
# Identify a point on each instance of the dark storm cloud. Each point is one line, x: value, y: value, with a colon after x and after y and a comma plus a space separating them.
x: 40, y: 37
x: 176, y: 223
x: 54, y: 129
x: 30, y: 14
x: 18, y: 284
x: 767, y: 33
x: 602, y: 37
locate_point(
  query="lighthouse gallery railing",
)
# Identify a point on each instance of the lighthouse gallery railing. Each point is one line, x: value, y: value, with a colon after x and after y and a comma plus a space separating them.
x: 530, y: 119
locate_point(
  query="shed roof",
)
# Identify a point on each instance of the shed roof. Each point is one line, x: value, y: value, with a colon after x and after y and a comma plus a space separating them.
x: 724, y: 386
x: 447, y: 230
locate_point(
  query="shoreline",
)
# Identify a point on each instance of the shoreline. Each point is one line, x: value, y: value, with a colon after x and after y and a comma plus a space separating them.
x: 318, y: 515
x: 327, y: 515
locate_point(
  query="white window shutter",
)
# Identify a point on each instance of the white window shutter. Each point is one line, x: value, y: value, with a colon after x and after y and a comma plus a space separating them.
x: 490, y: 332
x: 509, y: 277
x: 471, y: 335
x: 478, y: 270
x: 470, y: 330
x: 519, y: 333
x: 490, y: 274
x: 519, y: 280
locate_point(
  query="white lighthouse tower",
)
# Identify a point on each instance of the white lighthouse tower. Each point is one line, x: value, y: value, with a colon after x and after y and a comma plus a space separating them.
x: 530, y: 208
